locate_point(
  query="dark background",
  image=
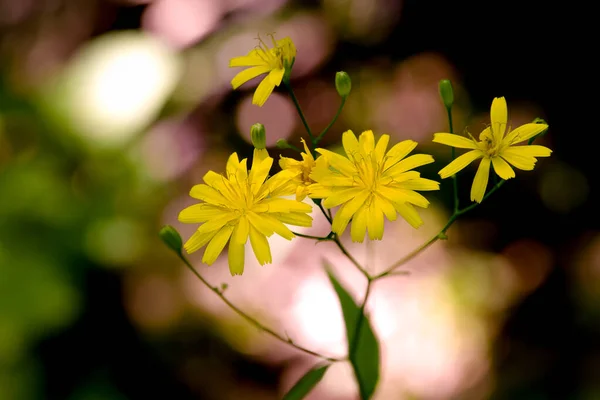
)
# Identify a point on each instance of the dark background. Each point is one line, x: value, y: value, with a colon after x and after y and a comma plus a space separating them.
x: 547, y: 347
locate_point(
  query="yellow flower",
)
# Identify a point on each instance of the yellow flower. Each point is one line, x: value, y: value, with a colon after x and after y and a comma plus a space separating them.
x: 276, y: 61
x: 370, y: 183
x: 496, y: 146
x: 301, y: 169
x: 243, y: 204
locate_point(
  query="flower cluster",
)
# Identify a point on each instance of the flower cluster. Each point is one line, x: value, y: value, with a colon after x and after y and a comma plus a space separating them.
x: 362, y: 187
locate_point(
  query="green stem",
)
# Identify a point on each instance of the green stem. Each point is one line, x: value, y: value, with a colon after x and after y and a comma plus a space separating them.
x: 453, y: 154
x: 291, y: 146
x: 311, y: 237
x: 337, y: 114
x: 302, y: 117
x: 339, y: 244
x: 249, y: 318
x: 440, y: 235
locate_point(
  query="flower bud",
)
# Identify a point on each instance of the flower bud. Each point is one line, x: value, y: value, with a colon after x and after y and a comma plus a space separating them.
x: 258, y: 136
x: 343, y: 83
x: 282, y: 144
x: 171, y: 237
x: 446, y: 93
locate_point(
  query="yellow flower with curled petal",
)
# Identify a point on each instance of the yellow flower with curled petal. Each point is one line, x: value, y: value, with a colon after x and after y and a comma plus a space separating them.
x: 370, y: 183
x: 276, y: 62
x: 496, y: 147
x: 240, y: 205
x: 302, y: 170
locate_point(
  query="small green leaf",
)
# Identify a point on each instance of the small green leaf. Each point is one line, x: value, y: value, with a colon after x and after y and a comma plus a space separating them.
x: 306, y: 383
x: 365, y: 356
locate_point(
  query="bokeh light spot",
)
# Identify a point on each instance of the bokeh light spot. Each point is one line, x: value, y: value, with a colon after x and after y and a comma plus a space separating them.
x: 116, y: 241
x: 116, y: 85
x: 563, y: 188
x: 182, y: 22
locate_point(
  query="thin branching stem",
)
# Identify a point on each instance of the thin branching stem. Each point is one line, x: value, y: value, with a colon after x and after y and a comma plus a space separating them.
x: 337, y: 114
x: 251, y: 320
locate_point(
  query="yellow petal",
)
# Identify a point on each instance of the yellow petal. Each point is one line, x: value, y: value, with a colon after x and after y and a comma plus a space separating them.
x: 288, y: 163
x: 367, y: 141
x: 453, y: 140
x: 340, y: 197
x: 409, y: 213
x: 460, y: 163
x: 198, y: 240
x: 280, y: 184
x: 208, y: 194
x: 233, y: 164
x: 276, y: 205
x: 301, y: 192
x: 419, y: 184
x: 350, y: 144
x: 251, y: 59
x: 336, y: 180
x: 502, y: 168
x: 398, y: 178
x: 241, y: 173
x: 530, y: 151
x: 260, y: 246
x: 216, y: 245
x: 345, y: 213
x: 381, y: 147
x: 481, y: 180
x: 258, y: 156
x: 358, y: 229
x: 409, y: 163
x: 398, y: 152
x: 294, y: 218
x: 276, y: 76
x: 524, y: 132
x: 216, y: 223
x: 375, y: 223
x: 221, y: 185
x: 259, y: 173
x: 266, y: 223
x: 319, y: 191
x: 340, y: 163
x: 263, y: 91
x: 236, y: 255
x: 248, y: 74
x: 199, y: 213
x: 499, y: 117
x: 387, y: 207
x: 486, y: 135
x: 518, y: 160
x: 240, y: 232
x: 396, y: 195
x: 306, y: 150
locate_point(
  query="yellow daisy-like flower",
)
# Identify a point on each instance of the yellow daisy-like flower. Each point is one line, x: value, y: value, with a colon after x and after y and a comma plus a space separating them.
x: 370, y: 183
x: 496, y: 146
x: 243, y: 204
x: 275, y: 61
x: 301, y: 169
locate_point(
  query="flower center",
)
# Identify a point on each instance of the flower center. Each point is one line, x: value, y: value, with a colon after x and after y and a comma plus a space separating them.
x: 368, y: 173
x: 488, y: 144
x: 273, y: 57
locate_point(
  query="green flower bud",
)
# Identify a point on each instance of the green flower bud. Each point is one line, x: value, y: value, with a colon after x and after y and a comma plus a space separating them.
x: 446, y: 93
x: 258, y: 136
x: 171, y: 237
x: 343, y: 83
x: 282, y: 144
